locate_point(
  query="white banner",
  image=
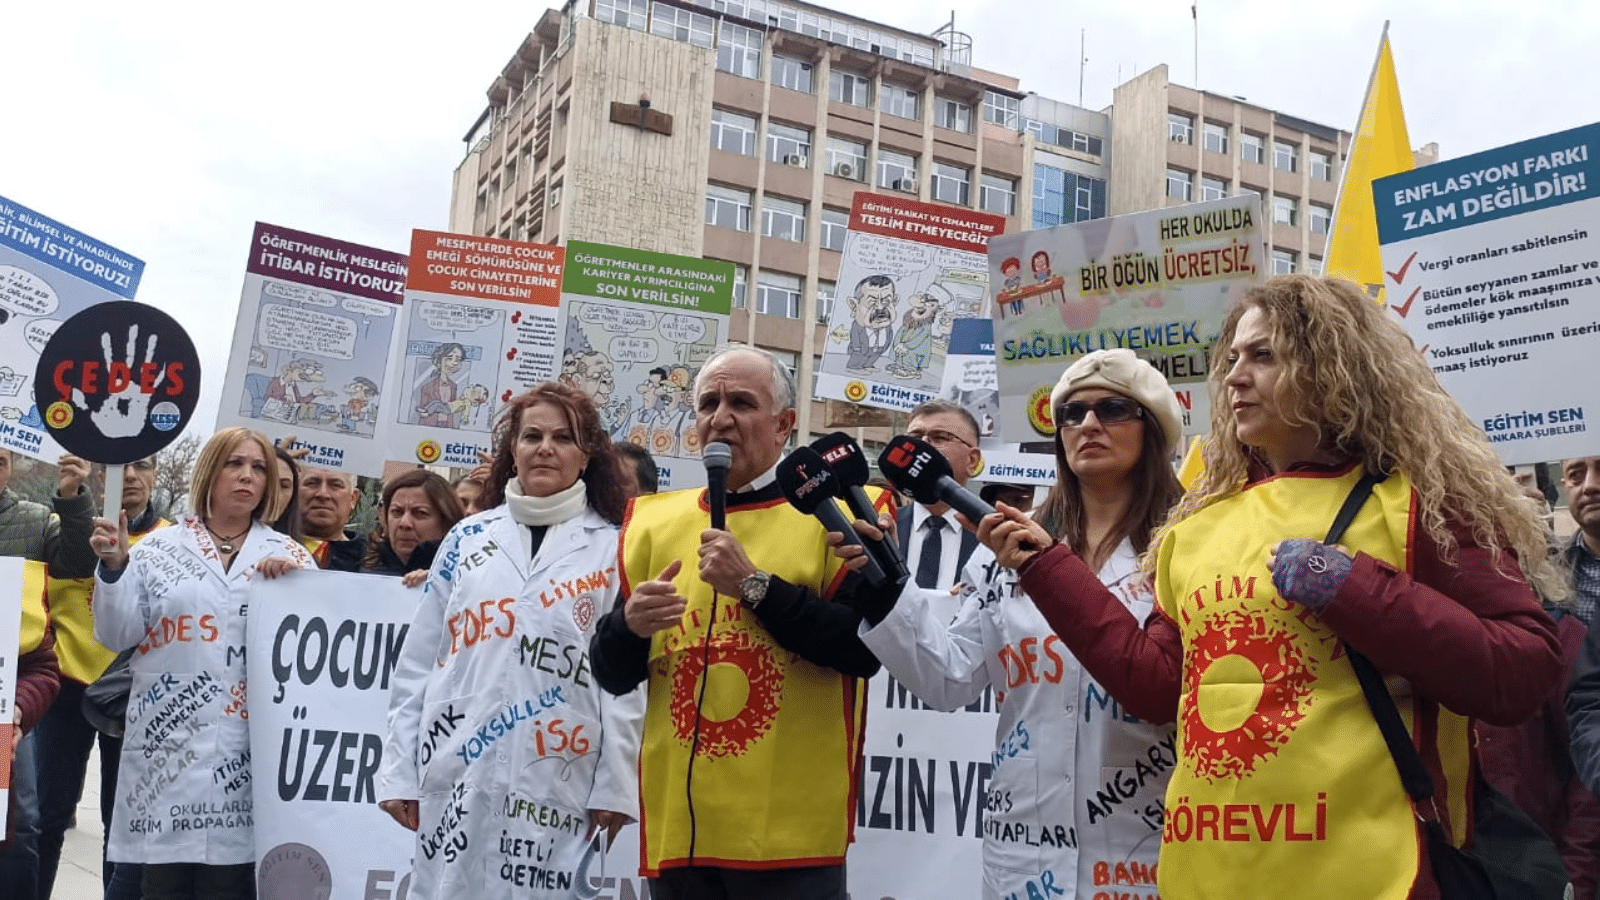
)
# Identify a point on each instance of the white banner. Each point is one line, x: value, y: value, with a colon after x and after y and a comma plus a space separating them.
x: 1492, y: 264
x: 10, y: 639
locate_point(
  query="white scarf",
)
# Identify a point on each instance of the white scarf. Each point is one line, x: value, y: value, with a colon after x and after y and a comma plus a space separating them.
x: 551, y: 510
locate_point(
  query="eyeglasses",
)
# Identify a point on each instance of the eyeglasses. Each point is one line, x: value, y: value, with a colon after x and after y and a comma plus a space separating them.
x: 940, y: 436
x: 1107, y: 411
x: 143, y: 465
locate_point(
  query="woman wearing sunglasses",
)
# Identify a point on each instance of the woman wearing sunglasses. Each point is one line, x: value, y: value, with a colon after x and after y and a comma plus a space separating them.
x: 1283, y: 777
x: 1074, y: 799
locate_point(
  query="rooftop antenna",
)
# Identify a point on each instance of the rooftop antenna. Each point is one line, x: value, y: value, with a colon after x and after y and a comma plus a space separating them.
x: 1083, y: 60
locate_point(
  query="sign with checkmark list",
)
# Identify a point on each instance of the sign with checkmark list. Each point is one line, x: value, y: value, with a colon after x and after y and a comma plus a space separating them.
x: 1492, y: 264
x: 117, y: 382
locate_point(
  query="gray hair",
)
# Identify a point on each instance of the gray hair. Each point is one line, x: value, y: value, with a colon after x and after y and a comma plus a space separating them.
x: 782, y: 379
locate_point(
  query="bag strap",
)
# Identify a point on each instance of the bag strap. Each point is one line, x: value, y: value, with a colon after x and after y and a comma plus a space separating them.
x: 1413, y: 774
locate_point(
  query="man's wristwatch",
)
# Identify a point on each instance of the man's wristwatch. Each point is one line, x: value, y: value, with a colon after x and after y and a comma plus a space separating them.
x: 753, y: 588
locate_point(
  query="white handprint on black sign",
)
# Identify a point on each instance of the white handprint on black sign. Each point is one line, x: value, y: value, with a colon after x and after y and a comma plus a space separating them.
x: 123, y: 413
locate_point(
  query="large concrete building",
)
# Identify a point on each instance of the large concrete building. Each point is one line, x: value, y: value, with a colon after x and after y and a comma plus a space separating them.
x: 739, y: 131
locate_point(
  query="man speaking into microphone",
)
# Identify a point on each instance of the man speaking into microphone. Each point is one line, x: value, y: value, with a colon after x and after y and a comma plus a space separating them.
x: 747, y: 640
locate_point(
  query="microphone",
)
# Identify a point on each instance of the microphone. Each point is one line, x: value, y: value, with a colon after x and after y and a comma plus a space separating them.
x: 717, y: 457
x: 843, y: 455
x: 811, y: 488
x: 914, y: 466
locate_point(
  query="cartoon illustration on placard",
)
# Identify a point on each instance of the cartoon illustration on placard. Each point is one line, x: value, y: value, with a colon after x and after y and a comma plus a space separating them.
x: 307, y: 342
x: 447, y: 367
x: 642, y: 380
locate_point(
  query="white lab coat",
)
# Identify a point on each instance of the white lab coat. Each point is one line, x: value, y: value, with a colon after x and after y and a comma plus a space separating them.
x: 1075, y: 781
x: 496, y: 724
x: 180, y: 797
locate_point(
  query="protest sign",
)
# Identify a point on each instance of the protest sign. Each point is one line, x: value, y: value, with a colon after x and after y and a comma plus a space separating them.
x: 970, y: 380
x: 908, y: 270
x: 1492, y: 264
x: 638, y: 326
x: 479, y: 328
x: 48, y: 274
x: 1158, y: 283
x: 311, y: 347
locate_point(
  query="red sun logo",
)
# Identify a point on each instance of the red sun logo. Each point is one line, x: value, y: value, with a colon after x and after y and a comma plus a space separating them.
x: 1224, y: 736
x: 734, y: 655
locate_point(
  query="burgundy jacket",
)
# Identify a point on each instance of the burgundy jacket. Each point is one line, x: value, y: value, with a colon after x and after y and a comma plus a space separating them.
x: 38, y: 682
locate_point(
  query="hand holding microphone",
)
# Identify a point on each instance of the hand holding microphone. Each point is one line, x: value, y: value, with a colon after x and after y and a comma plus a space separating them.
x: 917, y: 468
x: 843, y: 455
x: 811, y: 487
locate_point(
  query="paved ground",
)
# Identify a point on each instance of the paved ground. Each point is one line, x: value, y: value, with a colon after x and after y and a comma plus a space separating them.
x: 79, y: 875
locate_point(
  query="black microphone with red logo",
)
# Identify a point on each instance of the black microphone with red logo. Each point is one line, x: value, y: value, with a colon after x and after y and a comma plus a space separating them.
x: 843, y: 455
x: 919, y: 469
x: 812, y: 488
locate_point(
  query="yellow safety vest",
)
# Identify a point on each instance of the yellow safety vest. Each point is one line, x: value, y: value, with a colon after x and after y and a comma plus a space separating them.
x: 1283, y: 778
x: 82, y: 658
x: 35, y: 608
x: 774, y: 779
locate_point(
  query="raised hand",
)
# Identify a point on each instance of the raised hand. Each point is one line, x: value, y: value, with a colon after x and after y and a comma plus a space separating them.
x: 123, y: 413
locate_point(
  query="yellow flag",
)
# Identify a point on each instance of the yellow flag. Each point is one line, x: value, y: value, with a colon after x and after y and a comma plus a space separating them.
x: 1379, y: 148
x: 1193, y: 464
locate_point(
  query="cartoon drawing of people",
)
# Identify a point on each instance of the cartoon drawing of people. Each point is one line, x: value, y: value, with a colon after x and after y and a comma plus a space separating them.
x: 435, y: 395
x: 1041, y: 267
x: 590, y: 371
x: 360, y: 408
x: 654, y: 395
x: 1011, y: 269
x: 915, y: 343
x: 292, y: 394
x: 872, y: 309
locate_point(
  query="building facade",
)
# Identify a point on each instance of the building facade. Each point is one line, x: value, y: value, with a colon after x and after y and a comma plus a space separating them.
x: 779, y: 113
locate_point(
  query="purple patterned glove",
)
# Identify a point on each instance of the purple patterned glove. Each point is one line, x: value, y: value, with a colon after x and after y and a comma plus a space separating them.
x: 1310, y: 572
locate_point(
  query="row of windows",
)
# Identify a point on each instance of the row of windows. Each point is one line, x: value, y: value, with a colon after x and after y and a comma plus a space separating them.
x: 1285, y: 210
x: 1286, y: 262
x: 1061, y: 196
x: 1216, y: 137
x: 792, y: 145
x: 778, y: 293
x: 821, y: 25
x: 781, y: 218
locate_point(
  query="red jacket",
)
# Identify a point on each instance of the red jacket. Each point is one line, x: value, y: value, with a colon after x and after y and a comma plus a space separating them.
x: 38, y: 682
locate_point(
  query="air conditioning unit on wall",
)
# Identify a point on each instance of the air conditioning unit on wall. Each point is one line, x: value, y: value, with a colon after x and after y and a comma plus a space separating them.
x: 906, y: 185
x: 794, y: 159
x: 844, y: 170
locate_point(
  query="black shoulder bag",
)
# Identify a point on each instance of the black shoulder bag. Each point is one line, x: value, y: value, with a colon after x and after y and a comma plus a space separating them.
x: 1510, y: 858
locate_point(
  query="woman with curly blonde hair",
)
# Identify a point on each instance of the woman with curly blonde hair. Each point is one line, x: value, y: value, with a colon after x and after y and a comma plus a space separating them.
x: 1282, y: 775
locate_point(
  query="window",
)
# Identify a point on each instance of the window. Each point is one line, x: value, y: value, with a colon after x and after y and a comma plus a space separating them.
x: 733, y: 132
x: 1283, y: 261
x: 1285, y: 157
x: 825, y: 291
x: 727, y: 207
x: 835, y: 222
x: 627, y: 13
x: 1061, y: 197
x: 783, y: 219
x: 794, y: 74
x: 897, y: 171
x: 682, y: 25
x: 738, y: 50
x: 997, y: 195
x: 555, y: 195
x: 1213, y: 188
x: 1321, y: 165
x: 952, y: 184
x: 788, y: 144
x: 778, y: 294
x: 1180, y: 184
x: 1252, y: 147
x: 848, y: 87
x: 1001, y: 110
x: 952, y: 114
x: 847, y: 159
x: 1314, y: 265
x: 1285, y: 211
x: 1064, y: 137
x: 1180, y: 128
x: 1321, y: 217
x: 1216, y: 137
x: 899, y: 101
x: 789, y: 359
x: 741, y: 279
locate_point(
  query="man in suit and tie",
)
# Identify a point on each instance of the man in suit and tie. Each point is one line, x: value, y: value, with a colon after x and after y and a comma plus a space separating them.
x: 935, y: 545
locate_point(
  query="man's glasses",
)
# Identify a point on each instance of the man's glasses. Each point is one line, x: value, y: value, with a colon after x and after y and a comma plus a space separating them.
x: 144, y: 465
x: 938, y: 436
x: 1107, y: 411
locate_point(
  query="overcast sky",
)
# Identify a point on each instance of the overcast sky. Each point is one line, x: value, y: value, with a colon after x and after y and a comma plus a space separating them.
x: 167, y: 129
